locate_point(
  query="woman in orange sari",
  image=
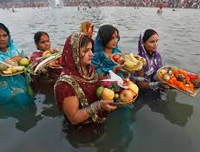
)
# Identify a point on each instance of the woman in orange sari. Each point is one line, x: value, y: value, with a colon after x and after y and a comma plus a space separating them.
x: 75, y: 90
x: 87, y: 28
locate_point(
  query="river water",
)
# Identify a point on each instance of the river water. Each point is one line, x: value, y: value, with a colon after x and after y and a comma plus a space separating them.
x: 170, y: 124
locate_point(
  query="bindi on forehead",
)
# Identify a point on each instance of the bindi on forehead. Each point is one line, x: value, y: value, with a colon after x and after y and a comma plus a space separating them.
x: 115, y: 34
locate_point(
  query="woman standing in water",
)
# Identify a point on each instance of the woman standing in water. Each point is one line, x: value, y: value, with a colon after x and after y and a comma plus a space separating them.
x: 75, y: 90
x: 46, y: 76
x: 43, y: 45
x: 106, y: 45
x: 87, y: 28
x: 147, y: 48
x: 14, y: 88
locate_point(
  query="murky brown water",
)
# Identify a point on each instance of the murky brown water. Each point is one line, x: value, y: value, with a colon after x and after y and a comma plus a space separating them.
x: 170, y: 124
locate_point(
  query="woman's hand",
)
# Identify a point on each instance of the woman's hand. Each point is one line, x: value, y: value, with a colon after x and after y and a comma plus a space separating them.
x: 107, y: 105
x: 163, y: 85
x: 55, y: 50
x: 120, y: 68
x: 43, y: 70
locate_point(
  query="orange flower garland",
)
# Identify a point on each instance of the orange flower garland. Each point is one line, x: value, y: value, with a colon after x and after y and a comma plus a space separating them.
x: 185, y: 86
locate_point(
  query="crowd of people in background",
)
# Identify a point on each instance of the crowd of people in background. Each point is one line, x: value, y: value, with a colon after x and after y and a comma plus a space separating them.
x: 97, y: 3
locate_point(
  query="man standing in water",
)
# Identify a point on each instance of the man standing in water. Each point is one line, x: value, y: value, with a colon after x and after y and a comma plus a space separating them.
x: 159, y: 11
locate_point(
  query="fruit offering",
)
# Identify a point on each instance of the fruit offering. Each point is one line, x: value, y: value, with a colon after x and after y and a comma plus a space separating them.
x: 179, y: 79
x: 5, y: 70
x: 15, y: 65
x: 18, y: 60
x: 109, y: 90
x: 195, y: 79
x: 130, y: 61
x: 48, y: 53
x: 56, y: 63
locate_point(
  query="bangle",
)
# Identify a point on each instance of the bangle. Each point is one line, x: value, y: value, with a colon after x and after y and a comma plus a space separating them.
x: 153, y: 85
x: 93, y: 108
x: 99, y: 105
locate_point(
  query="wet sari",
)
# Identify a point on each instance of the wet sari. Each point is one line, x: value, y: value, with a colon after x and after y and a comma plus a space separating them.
x: 72, y: 81
x: 14, y: 88
x: 153, y: 62
x: 50, y: 73
x: 101, y: 63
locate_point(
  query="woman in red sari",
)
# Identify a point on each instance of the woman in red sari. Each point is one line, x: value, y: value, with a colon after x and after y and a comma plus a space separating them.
x: 75, y: 90
x: 45, y: 79
x: 43, y: 45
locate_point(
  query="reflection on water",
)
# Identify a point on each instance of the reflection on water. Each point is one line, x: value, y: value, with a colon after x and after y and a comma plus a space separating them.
x: 25, y: 115
x: 165, y: 123
x: 118, y: 131
x: 174, y: 111
x: 115, y: 135
x: 29, y: 114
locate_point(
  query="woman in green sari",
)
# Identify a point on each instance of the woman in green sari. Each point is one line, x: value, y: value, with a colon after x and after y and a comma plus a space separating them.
x: 14, y: 88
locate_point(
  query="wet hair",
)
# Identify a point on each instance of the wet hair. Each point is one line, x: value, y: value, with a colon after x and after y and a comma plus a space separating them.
x: 85, y: 41
x: 105, y: 33
x: 38, y: 35
x: 3, y: 27
x: 148, y: 33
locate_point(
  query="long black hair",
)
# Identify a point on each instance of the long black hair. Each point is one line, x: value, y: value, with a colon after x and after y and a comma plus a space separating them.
x: 106, y: 32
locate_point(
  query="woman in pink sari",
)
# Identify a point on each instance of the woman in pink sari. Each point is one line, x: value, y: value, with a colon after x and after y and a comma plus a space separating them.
x: 75, y: 90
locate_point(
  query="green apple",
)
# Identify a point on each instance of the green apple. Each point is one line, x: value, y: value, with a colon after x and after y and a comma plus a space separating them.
x: 24, y: 61
x: 99, y: 91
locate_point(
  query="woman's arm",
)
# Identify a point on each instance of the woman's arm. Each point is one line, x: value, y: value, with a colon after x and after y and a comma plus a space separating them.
x: 103, y: 76
x: 72, y: 111
x: 145, y: 84
x: 76, y: 115
x: 141, y: 83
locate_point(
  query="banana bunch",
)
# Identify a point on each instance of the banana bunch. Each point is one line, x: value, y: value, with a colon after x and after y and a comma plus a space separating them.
x: 46, y: 53
x: 13, y: 69
x: 130, y: 61
x: 133, y: 62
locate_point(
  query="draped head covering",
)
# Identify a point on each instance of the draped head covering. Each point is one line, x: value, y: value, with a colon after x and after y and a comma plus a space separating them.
x: 16, y: 88
x: 100, y: 61
x: 73, y: 81
x: 12, y: 48
x: 153, y: 62
x: 71, y: 62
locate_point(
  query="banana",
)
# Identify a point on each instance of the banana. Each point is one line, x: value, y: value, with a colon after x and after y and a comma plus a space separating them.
x: 45, y: 62
x: 19, y: 68
x: 46, y: 53
x: 11, y: 69
x: 129, y: 64
x: 133, y: 62
x: 7, y: 71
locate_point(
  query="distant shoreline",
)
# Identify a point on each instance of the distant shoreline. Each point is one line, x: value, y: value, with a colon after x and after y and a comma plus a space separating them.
x: 103, y: 3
